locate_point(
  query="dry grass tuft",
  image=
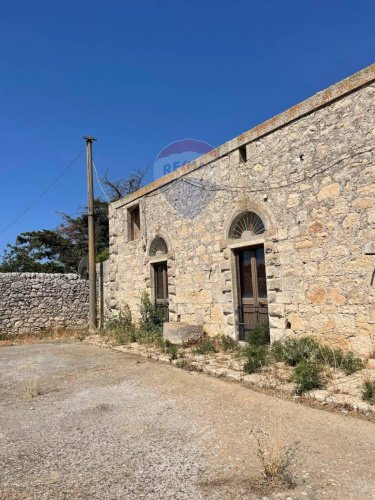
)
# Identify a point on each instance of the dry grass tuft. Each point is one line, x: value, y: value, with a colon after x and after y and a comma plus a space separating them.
x: 7, y: 339
x: 32, y: 380
x: 276, y: 459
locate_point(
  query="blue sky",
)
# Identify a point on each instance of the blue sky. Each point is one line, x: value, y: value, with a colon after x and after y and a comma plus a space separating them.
x: 139, y: 75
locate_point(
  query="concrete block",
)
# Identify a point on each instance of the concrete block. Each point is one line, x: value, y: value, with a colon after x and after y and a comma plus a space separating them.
x: 182, y: 333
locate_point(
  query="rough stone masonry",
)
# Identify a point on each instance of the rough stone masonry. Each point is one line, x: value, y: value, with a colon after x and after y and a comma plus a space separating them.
x: 33, y: 302
x: 309, y: 176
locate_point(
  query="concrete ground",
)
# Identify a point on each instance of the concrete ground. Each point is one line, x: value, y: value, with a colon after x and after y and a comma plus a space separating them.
x: 78, y: 422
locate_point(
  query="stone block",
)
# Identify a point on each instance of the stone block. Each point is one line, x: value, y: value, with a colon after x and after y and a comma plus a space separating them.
x: 329, y: 191
x: 277, y: 322
x: 370, y: 248
x: 182, y: 333
x: 276, y: 310
x: 274, y: 284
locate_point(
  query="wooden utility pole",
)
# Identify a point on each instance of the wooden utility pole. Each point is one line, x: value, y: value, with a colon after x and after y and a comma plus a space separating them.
x: 91, y: 235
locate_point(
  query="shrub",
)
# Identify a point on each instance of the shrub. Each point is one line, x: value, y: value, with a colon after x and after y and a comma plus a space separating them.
x: 351, y: 363
x: 151, y: 316
x: 228, y: 343
x: 152, y: 336
x: 259, y: 336
x: 256, y: 357
x: 307, y: 375
x: 206, y: 346
x: 120, y: 327
x: 172, y: 351
x: 368, y: 392
x: 150, y: 328
x: 294, y: 350
x: 336, y: 358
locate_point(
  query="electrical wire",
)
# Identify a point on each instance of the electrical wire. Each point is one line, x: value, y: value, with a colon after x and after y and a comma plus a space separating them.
x: 100, y: 184
x: 258, y: 190
x: 50, y: 185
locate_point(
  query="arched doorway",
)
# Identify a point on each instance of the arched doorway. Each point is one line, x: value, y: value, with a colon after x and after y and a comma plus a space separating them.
x: 245, y: 234
x: 159, y: 275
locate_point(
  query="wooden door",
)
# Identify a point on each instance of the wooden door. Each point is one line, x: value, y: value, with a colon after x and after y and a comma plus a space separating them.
x: 252, y: 289
x: 161, y: 288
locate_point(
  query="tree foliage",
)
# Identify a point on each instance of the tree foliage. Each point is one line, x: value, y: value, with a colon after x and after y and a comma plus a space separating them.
x: 60, y: 250
x: 57, y: 250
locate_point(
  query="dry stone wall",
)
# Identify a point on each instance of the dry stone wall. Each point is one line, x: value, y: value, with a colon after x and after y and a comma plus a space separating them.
x: 312, y: 182
x: 33, y: 302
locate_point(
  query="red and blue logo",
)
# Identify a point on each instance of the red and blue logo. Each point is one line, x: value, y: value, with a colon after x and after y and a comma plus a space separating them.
x: 177, y: 154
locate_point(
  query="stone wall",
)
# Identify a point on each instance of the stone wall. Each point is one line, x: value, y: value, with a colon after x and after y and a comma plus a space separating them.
x: 32, y: 302
x: 312, y: 181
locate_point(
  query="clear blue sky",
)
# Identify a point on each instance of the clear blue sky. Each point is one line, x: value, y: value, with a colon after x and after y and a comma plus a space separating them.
x: 139, y: 75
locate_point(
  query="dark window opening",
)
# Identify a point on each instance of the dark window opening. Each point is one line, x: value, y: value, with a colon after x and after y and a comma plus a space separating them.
x: 243, y: 154
x: 134, y: 219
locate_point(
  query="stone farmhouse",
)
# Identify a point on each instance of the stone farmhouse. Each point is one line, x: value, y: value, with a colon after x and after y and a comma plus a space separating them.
x: 275, y: 226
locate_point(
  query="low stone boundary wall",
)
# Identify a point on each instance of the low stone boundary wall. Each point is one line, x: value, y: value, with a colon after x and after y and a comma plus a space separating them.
x: 33, y: 302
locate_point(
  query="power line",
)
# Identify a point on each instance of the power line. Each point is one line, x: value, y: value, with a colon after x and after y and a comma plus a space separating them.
x: 280, y: 186
x: 98, y: 181
x: 33, y: 203
x: 265, y: 187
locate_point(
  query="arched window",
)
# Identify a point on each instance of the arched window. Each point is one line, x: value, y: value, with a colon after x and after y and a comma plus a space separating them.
x: 245, y: 225
x: 158, y: 247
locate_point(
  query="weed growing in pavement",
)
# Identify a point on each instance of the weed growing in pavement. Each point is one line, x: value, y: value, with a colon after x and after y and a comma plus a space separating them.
x: 276, y: 460
x: 32, y: 380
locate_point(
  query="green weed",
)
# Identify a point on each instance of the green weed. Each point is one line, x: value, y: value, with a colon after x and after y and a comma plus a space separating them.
x: 368, y: 392
x: 206, y: 346
x: 256, y: 357
x: 308, y: 376
x: 228, y: 343
x: 259, y: 336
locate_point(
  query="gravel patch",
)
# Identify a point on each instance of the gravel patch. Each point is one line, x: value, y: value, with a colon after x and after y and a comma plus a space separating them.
x: 108, y: 425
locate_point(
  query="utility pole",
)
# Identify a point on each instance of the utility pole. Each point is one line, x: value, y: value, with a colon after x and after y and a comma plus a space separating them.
x: 91, y: 235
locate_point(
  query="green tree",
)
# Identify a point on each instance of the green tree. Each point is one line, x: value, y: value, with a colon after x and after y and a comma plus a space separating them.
x: 60, y: 250
x: 36, y: 251
x: 57, y: 250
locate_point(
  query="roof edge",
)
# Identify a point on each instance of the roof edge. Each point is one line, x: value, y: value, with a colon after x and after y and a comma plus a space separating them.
x: 319, y: 100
